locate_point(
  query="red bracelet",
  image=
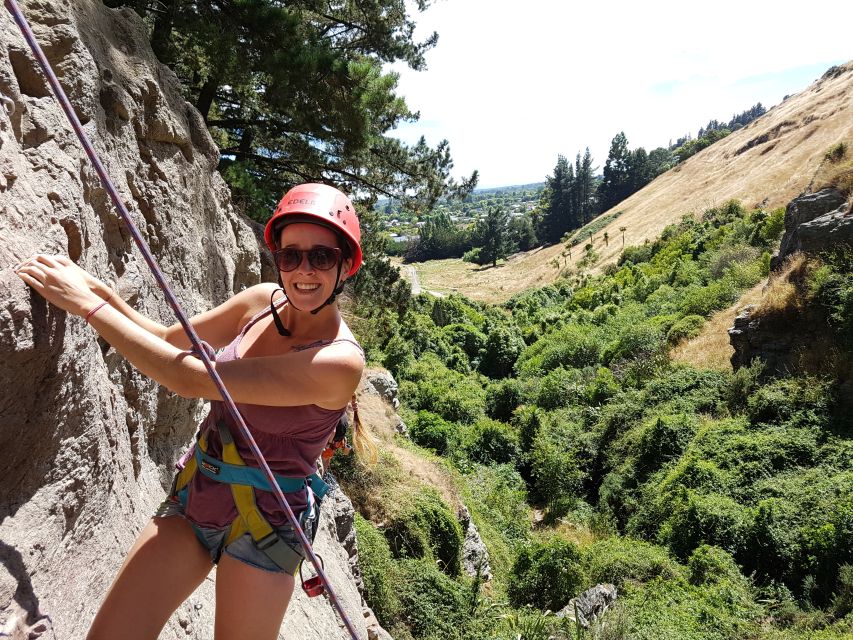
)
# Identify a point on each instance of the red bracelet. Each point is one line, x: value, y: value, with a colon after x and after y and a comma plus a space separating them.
x: 94, y: 310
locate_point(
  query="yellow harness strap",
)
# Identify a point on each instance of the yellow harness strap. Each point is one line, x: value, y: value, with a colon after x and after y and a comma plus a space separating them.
x: 249, y: 518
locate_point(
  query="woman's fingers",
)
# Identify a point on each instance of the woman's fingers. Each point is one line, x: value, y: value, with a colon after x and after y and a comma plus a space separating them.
x: 33, y: 271
x: 50, y: 261
x: 30, y: 281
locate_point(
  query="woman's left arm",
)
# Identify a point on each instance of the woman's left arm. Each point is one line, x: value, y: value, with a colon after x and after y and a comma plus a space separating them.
x: 65, y: 287
x: 325, y: 376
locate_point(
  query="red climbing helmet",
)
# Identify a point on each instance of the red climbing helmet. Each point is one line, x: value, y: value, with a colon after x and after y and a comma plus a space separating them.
x: 319, y: 204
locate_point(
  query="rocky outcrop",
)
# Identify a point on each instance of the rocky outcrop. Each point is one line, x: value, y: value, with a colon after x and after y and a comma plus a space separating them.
x: 813, y: 221
x: 87, y: 445
x: 773, y: 343
x: 475, y: 555
x: 590, y: 605
x: 383, y: 384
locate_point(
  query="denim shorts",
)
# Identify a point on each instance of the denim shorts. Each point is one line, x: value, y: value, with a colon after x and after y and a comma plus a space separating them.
x: 243, y: 548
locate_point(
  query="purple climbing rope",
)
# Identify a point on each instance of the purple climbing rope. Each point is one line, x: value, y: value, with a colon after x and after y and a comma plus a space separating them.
x: 200, y: 348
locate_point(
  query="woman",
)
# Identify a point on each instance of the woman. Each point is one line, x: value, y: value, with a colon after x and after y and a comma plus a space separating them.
x: 289, y: 362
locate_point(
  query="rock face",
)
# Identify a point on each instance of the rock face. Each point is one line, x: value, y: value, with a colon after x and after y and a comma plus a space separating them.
x: 813, y: 222
x: 475, y: 555
x: 385, y: 385
x: 801, y: 234
x: 87, y: 445
x: 590, y: 605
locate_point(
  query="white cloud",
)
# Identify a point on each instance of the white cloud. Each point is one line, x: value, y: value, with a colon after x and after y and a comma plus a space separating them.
x: 511, y: 85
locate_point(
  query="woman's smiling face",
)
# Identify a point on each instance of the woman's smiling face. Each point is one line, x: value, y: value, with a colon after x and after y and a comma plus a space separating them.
x: 307, y: 287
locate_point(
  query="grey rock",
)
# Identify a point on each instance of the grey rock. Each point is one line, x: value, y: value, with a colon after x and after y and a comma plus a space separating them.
x: 401, y: 427
x: 385, y: 386
x: 801, y: 210
x: 590, y: 605
x: 833, y: 228
x: 475, y: 554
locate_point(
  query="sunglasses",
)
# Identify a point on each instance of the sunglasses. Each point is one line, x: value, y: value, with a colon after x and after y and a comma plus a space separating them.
x: 320, y: 258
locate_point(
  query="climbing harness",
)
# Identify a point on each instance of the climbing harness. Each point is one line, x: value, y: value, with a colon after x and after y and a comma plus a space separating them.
x: 243, y: 479
x: 201, y: 349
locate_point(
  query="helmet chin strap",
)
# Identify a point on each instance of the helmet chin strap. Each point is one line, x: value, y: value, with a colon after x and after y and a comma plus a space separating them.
x: 279, y: 325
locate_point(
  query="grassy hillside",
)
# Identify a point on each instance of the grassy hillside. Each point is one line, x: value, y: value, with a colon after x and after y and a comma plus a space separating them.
x: 765, y: 164
x: 595, y: 437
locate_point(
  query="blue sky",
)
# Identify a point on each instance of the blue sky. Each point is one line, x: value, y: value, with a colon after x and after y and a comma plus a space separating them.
x: 511, y: 85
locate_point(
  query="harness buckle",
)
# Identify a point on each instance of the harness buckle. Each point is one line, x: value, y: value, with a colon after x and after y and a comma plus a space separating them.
x: 267, y: 541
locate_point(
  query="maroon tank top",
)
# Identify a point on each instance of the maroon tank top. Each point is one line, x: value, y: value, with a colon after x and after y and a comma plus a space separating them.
x: 290, y: 438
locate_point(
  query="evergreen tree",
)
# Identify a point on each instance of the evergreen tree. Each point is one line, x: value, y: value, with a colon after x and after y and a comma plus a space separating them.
x: 616, y: 184
x: 557, y: 215
x: 493, y: 235
x: 585, y: 181
x: 295, y: 91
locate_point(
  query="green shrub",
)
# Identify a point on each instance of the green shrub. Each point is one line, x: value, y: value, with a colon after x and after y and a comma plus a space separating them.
x: 559, y: 457
x: 792, y: 401
x: 561, y: 388
x: 466, y: 337
x: 617, y: 560
x: 503, y: 346
x: 709, y: 564
x: 432, y: 431
x: 602, y: 387
x: 447, y: 311
x: 685, y: 329
x: 662, y: 439
x: 705, y: 519
x: 502, y: 399
x: 634, y: 341
x: 425, y: 528
x: 434, y: 605
x: 836, y: 152
x: 378, y: 571
x: 547, y: 575
x: 472, y: 256
x: 492, y: 442
x: 398, y: 355
x: 570, y: 346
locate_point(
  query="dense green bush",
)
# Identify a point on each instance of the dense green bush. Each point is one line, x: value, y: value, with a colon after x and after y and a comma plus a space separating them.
x: 378, y: 571
x: 424, y: 527
x: 561, y: 388
x: 796, y: 402
x: 433, y: 432
x: 705, y: 519
x: 634, y: 341
x: 708, y: 564
x: 685, y: 329
x: 547, y: 575
x: 617, y: 560
x: 435, y: 605
x: 503, y: 398
x: 570, y: 346
x: 503, y: 346
x: 467, y: 337
x: 492, y: 442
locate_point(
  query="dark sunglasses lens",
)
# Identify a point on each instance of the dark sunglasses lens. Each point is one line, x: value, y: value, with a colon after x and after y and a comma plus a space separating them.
x: 287, y: 259
x: 323, y: 258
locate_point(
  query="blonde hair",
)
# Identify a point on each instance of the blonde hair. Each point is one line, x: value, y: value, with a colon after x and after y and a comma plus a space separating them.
x: 362, y: 441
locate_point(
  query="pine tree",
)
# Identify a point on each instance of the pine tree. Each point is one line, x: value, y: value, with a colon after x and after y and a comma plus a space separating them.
x: 493, y: 232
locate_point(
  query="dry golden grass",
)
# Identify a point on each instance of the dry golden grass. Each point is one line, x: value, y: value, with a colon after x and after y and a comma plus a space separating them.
x: 767, y: 163
x: 784, y: 290
x: 711, y: 349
